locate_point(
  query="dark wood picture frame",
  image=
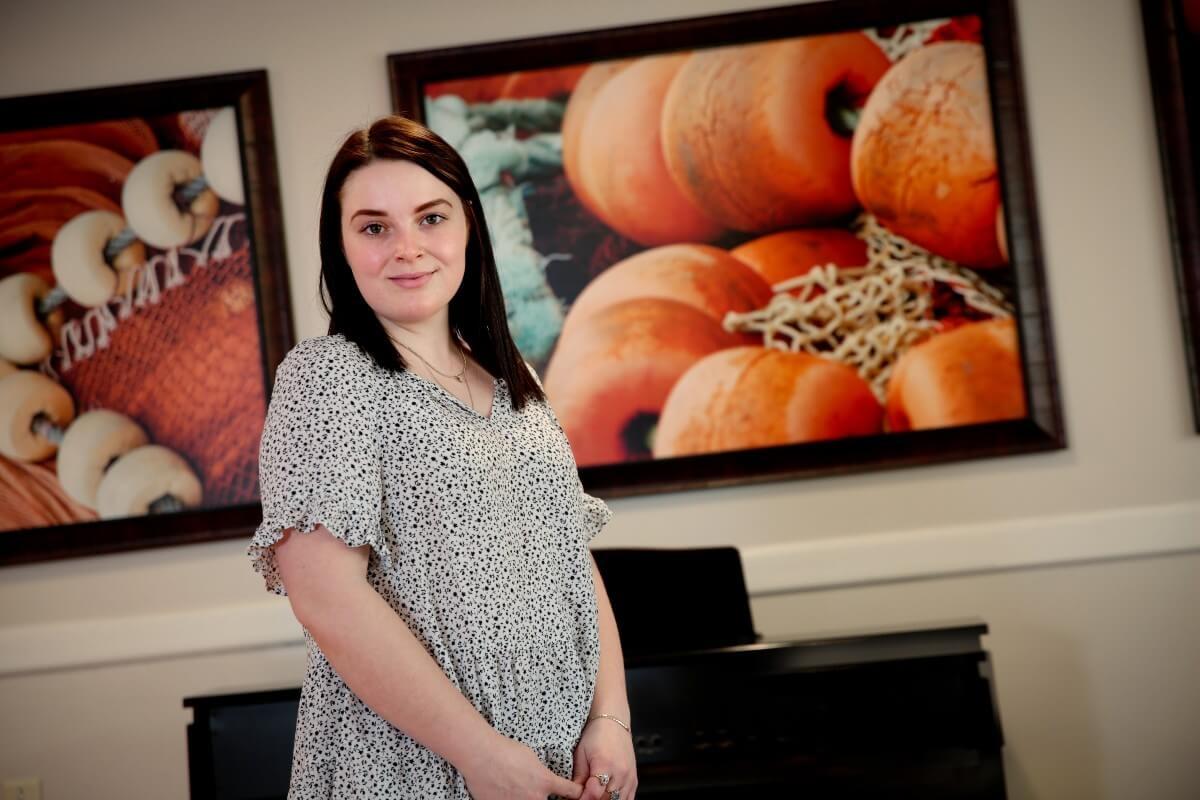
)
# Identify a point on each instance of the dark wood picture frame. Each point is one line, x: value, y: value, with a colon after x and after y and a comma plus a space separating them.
x: 248, y: 93
x: 1173, y: 54
x: 1041, y: 429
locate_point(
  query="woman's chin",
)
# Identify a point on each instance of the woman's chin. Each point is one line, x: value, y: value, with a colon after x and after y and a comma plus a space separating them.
x: 412, y: 314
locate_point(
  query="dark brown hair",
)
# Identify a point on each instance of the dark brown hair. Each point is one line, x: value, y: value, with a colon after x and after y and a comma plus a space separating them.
x: 477, y: 313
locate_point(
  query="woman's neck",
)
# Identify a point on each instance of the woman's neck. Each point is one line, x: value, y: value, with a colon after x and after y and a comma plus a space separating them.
x: 430, y: 339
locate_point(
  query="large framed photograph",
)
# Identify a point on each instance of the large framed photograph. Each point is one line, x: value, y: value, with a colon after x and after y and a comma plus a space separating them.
x: 1172, y: 29
x: 143, y: 308
x: 780, y: 243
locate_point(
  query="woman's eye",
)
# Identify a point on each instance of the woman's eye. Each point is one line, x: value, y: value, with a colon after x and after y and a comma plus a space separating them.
x: 433, y: 219
x: 373, y: 228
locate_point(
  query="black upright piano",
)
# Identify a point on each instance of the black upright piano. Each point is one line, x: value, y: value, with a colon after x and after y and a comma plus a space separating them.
x: 716, y: 712
x: 899, y: 714
x: 886, y: 714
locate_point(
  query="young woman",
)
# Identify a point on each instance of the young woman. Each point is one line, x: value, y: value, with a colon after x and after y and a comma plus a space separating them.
x: 423, y: 513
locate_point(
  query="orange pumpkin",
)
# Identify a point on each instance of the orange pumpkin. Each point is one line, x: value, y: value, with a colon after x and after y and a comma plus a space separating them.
x: 970, y: 374
x: 608, y: 382
x: 924, y: 161
x: 574, y: 119
x: 553, y: 82
x: 782, y: 256
x: 621, y: 159
x: 472, y: 90
x: 753, y: 136
x: 707, y: 278
x: 1001, y: 233
x: 749, y: 397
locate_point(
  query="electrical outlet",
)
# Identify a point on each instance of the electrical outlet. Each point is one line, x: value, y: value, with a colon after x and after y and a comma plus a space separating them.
x: 23, y: 789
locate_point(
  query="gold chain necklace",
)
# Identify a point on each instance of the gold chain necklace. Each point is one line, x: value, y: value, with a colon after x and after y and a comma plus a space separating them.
x: 460, y: 377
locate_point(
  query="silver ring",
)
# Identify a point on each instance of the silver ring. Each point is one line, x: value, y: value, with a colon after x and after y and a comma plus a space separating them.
x: 603, y: 777
x: 615, y: 794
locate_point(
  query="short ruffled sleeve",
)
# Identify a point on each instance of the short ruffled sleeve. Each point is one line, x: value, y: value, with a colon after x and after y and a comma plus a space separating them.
x: 596, y: 515
x: 594, y: 512
x: 319, y: 459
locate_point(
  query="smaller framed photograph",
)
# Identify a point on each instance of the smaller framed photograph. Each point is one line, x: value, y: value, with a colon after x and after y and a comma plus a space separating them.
x: 143, y: 308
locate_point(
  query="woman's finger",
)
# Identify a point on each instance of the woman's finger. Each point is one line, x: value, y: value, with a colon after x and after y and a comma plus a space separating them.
x: 563, y: 787
x: 595, y: 789
x: 623, y: 784
x: 611, y: 790
x: 579, y: 773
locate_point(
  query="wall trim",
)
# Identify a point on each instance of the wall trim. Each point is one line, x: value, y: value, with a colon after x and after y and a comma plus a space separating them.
x: 967, y: 549
x: 100, y: 642
x: 770, y: 569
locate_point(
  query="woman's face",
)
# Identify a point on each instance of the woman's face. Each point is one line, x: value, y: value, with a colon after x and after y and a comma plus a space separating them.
x: 404, y: 233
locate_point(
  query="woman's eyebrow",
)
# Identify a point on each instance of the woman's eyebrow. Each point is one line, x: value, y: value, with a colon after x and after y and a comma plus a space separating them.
x: 430, y: 204
x: 374, y: 212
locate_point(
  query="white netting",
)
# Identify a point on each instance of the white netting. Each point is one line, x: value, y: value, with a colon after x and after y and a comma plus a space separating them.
x: 866, y: 316
x: 903, y: 39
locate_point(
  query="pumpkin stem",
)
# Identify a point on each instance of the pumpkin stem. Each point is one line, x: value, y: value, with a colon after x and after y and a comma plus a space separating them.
x: 638, y: 434
x: 843, y: 108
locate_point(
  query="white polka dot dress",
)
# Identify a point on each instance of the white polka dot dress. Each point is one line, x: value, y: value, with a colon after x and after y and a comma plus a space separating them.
x: 478, y: 528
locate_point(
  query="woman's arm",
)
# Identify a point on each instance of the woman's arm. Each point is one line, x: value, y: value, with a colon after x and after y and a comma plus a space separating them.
x: 606, y: 747
x: 610, y: 697
x: 384, y: 664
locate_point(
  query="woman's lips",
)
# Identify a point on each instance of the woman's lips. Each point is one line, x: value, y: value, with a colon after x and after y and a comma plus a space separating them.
x: 411, y: 281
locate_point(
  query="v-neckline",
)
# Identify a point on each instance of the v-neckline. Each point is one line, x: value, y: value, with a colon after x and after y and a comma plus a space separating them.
x: 464, y: 406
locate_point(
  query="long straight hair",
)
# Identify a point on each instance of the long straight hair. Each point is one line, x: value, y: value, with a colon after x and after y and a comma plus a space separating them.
x: 477, y: 313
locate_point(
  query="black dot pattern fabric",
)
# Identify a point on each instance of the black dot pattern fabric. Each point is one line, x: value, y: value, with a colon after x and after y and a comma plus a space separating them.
x: 478, y: 528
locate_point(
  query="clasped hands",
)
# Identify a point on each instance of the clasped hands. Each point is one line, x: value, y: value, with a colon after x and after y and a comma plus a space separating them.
x: 512, y: 771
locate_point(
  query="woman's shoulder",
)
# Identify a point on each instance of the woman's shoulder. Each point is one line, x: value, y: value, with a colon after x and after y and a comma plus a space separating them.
x: 329, y: 367
x: 325, y: 354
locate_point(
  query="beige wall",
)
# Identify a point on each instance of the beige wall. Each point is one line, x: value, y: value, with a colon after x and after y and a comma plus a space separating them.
x: 1085, y: 562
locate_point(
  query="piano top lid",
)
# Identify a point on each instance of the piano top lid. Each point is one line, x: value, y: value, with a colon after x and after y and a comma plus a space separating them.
x: 890, y: 643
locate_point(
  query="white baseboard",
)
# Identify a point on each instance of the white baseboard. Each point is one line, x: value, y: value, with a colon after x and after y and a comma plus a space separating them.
x: 770, y: 569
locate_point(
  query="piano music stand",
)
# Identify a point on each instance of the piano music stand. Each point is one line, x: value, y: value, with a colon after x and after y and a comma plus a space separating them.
x: 676, y: 600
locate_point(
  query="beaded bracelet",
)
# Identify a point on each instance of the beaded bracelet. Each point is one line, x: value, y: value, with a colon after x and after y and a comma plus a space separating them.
x: 614, y: 719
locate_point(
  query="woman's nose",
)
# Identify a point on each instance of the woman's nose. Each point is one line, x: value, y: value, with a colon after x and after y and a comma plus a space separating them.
x: 407, y: 247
